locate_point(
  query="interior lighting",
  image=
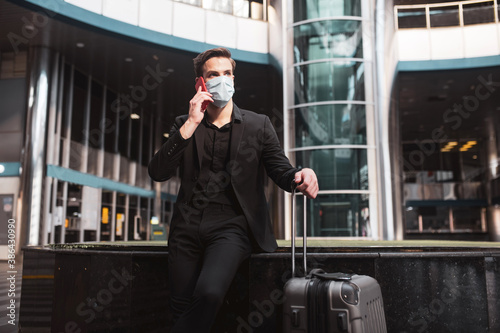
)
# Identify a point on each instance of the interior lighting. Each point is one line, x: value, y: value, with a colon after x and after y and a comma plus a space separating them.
x: 128, y: 59
x: 80, y: 45
x: 166, y: 135
x: 449, y: 146
x: 134, y: 116
x: 2, y: 168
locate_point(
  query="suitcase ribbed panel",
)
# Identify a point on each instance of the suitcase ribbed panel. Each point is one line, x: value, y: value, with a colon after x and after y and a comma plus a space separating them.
x: 375, y: 321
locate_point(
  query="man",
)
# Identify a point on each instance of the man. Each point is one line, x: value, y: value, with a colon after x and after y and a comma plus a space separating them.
x: 221, y: 213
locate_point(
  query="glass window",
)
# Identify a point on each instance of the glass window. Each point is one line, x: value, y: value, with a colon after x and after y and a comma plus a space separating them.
x: 241, y: 8
x: 66, y: 94
x: 498, y: 8
x: 191, y: 2
x: 106, y: 218
x: 335, y: 215
x: 147, y: 140
x: 79, y: 102
x: 73, y: 213
x: 224, y: 6
x: 337, y: 169
x: 95, y: 132
x: 477, y: 13
x: 444, y: 16
x: 123, y: 134
x: 411, y: 18
x: 330, y: 125
x: 329, y: 81
x: 110, y: 123
x: 306, y: 9
x: 328, y: 39
x: 468, y: 218
x: 121, y: 214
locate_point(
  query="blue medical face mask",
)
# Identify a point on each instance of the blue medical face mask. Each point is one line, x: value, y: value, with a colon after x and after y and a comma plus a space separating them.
x: 222, y: 90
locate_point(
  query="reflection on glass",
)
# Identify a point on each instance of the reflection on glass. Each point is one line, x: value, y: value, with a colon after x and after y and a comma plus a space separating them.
x: 223, y: 6
x: 306, y: 9
x: 444, y: 16
x: 330, y: 125
x: 477, y: 13
x: 191, y: 2
x: 335, y: 215
x: 468, y: 218
x: 411, y: 18
x: 337, y: 169
x: 329, y: 81
x: 437, y: 218
x: 328, y: 39
x: 241, y: 8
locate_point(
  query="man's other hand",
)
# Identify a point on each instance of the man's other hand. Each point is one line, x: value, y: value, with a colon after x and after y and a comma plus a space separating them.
x: 307, y: 182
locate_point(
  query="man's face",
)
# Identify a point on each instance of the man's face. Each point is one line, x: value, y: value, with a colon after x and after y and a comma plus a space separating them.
x: 217, y: 66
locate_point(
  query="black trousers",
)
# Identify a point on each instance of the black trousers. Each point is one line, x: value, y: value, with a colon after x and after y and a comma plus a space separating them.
x: 204, y: 255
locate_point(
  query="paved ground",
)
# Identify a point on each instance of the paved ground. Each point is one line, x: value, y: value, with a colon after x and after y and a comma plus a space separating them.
x: 10, y: 296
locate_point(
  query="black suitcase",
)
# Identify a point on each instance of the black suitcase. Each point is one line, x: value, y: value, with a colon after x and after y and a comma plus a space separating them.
x: 330, y: 302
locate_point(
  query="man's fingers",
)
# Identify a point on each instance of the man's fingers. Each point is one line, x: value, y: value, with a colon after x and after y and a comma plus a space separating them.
x: 309, y: 185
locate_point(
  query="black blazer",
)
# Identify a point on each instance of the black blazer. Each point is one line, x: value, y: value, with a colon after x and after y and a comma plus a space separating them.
x: 254, y: 151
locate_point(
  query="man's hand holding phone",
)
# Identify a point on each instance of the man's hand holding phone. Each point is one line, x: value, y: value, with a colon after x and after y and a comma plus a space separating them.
x: 197, y: 108
x: 200, y: 84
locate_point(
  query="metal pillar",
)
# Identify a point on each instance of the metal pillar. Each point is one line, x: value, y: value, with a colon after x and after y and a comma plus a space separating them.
x: 40, y: 79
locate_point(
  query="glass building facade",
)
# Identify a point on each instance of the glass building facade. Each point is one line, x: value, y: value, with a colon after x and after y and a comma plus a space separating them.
x: 330, y: 108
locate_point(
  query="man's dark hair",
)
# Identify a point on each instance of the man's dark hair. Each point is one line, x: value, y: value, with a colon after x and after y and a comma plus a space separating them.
x: 203, y: 57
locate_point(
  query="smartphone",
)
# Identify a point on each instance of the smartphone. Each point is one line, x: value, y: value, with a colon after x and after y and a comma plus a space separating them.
x: 201, y: 82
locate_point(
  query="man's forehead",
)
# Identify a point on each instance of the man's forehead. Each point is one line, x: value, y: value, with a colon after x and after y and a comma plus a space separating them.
x: 218, y: 63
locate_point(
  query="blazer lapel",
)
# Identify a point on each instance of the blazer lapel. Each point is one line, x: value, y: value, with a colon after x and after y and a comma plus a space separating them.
x: 199, y: 136
x: 237, y: 134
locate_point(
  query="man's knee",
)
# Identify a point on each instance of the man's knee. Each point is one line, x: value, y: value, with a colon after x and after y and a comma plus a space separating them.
x: 210, y: 297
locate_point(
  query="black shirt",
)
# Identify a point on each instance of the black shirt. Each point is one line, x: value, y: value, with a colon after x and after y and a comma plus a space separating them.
x: 214, y: 182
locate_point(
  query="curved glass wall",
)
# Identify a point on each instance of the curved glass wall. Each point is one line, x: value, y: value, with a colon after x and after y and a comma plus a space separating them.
x: 335, y: 80
x: 325, y: 39
x: 336, y: 168
x: 328, y: 114
x: 312, y: 9
x: 333, y: 124
x: 343, y: 215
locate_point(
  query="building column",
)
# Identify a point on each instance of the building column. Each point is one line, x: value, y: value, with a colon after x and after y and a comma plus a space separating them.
x: 41, y: 80
x: 492, y: 158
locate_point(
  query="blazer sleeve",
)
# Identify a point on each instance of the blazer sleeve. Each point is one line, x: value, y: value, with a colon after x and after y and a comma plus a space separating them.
x: 164, y: 163
x: 276, y: 163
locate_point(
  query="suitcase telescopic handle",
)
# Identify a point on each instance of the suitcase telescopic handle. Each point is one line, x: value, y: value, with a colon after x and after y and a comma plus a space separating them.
x: 294, y: 232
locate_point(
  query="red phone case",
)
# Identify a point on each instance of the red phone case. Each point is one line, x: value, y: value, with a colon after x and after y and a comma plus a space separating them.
x: 201, y: 82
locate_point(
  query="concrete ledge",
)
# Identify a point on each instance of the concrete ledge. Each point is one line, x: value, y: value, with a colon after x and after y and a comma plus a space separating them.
x: 122, y: 287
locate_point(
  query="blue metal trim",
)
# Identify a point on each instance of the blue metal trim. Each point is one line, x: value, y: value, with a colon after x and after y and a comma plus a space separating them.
x: 11, y: 169
x: 446, y: 64
x: 81, y: 15
x: 86, y: 179
x: 450, y: 203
